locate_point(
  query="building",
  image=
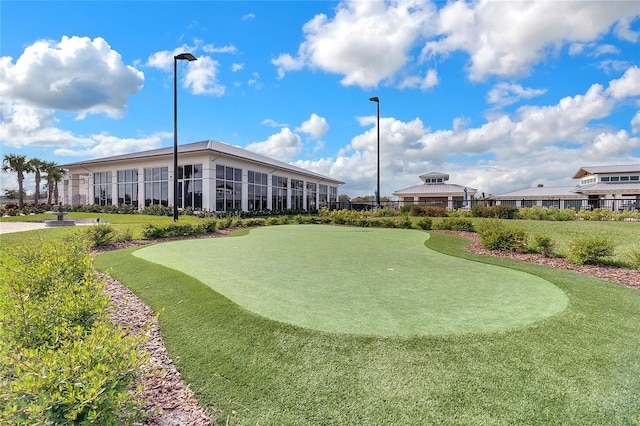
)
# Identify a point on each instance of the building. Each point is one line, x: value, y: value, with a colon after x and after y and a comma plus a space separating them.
x: 611, y: 187
x: 212, y: 176
x: 436, y: 191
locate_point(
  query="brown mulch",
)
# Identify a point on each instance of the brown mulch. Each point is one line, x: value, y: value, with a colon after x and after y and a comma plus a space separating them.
x: 171, y: 403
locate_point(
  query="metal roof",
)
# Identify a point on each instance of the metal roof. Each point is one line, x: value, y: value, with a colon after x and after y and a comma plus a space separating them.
x: 628, y: 188
x: 434, y: 175
x: 438, y: 188
x: 593, y: 170
x: 208, y: 145
x: 544, y: 192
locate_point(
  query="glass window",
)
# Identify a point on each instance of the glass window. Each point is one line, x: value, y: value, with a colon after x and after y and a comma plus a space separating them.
x: 312, y: 190
x: 279, y: 193
x: 102, y: 190
x: 228, y: 189
x: 128, y: 187
x: 604, y: 179
x: 189, y: 180
x: 156, y: 186
x: 257, y: 191
x: 624, y: 178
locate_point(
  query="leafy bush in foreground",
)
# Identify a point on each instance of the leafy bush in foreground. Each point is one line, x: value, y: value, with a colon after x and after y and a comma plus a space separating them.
x: 590, y: 250
x: 62, y: 361
x: 455, y: 224
x: 542, y: 243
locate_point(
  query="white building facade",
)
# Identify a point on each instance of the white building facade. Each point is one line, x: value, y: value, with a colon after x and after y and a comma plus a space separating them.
x: 212, y: 176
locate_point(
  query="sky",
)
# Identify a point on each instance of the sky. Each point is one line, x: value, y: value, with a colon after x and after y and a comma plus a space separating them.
x: 500, y: 95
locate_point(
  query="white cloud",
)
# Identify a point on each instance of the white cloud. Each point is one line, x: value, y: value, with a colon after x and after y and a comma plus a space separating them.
x: 76, y: 74
x: 354, y: 41
x: 105, y: 145
x: 503, y: 94
x: 163, y: 60
x: 210, y: 48
x: 315, y: 126
x: 508, y: 38
x: 248, y: 17
x: 623, y: 29
x: 237, y: 67
x: 273, y: 123
x: 201, y: 77
x: 608, y: 145
x: 428, y: 81
x: 626, y: 86
x: 635, y: 123
x: 283, y: 146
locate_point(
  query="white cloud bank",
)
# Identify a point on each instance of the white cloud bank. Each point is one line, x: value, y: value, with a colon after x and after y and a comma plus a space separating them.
x: 369, y: 42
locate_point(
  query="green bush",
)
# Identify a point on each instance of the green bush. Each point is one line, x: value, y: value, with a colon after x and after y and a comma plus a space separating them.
x: 455, y: 224
x: 590, y: 250
x: 634, y: 258
x: 100, y: 235
x: 495, y: 235
x: 541, y: 243
x: 421, y: 210
x: 501, y: 211
x: 62, y: 361
x: 210, y: 225
x: 424, y: 223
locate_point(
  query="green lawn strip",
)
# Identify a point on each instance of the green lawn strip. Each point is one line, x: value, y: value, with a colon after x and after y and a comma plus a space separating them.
x: 577, y: 367
x: 360, y: 281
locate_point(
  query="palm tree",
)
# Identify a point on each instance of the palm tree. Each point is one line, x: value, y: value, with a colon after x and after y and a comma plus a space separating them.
x: 37, y: 166
x: 48, y: 167
x: 56, y: 174
x: 20, y: 165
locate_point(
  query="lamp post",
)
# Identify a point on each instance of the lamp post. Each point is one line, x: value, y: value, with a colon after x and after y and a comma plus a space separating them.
x: 377, y: 101
x: 182, y: 57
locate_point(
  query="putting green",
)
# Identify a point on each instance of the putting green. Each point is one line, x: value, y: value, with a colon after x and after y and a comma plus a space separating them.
x: 360, y: 281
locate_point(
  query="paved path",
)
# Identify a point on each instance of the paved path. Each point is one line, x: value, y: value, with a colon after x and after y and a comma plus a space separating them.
x: 7, y: 227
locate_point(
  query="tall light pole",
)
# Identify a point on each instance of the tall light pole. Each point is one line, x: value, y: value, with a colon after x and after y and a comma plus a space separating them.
x: 377, y: 101
x: 182, y: 57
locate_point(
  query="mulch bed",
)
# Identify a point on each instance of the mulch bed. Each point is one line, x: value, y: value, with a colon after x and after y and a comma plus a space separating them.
x: 171, y: 403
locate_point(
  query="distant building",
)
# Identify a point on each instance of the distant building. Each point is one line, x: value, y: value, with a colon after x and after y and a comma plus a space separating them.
x: 437, y: 192
x: 612, y: 187
x: 211, y: 176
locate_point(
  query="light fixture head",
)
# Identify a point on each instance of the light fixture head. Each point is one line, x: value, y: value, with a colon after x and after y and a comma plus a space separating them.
x: 374, y: 99
x: 186, y: 56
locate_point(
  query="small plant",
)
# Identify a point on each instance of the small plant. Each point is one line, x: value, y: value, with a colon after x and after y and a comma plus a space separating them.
x: 424, y: 223
x: 634, y: 258
x: 455, y: 224
x: 590, y: 250
x: 495, y: 235
x: 101, y: 235
x: 541, y: 243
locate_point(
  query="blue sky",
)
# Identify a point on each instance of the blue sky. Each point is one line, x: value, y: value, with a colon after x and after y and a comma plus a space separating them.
x: 499, y: 95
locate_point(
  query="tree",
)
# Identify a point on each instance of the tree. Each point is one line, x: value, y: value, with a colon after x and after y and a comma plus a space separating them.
x: 49, y: 168
x: 19, y: 165
x: 343, y: 197
x: 56, y: 174
x: 37, y: 165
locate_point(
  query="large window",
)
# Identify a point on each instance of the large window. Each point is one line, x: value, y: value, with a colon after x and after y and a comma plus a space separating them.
x: 297, y: 194
x: 228, y: 188
x: 128, y: 187
x: 323, y: 196
x: 102, y: 192
x: 312, y: 192
x: 278, y: 192
x: 333, y: 196
x: 190, y: 186
x: 257, y: 189
x: 156, y: 186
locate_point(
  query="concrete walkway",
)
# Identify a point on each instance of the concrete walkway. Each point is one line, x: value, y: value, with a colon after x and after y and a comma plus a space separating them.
x: 7, y: 227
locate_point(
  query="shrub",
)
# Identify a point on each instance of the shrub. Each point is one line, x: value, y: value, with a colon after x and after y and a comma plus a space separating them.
x: 151, y: 232
x: 542, y: 243
x: 210, y: 225
x: 590, y: 250
x: 158, y: 210
x: 100, y: 235
x: 424, y: 223
x: 495, y: 235
x: 501, y: 211
x: 62, y: 361
x: 634, y: 258
x: 455, y: 224
x: 224, y: 223
x: 420, y: 210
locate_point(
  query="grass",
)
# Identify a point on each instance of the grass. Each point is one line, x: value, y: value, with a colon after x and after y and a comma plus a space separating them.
x: 403, y: 289
x: 580, y: 366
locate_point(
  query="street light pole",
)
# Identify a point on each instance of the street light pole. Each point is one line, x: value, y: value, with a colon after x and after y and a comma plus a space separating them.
x: 377, y: 101
x: 187, y: 57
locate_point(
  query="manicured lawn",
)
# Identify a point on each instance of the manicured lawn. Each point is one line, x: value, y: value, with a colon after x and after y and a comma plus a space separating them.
x: 579, y: 366
x: 340, y: 279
